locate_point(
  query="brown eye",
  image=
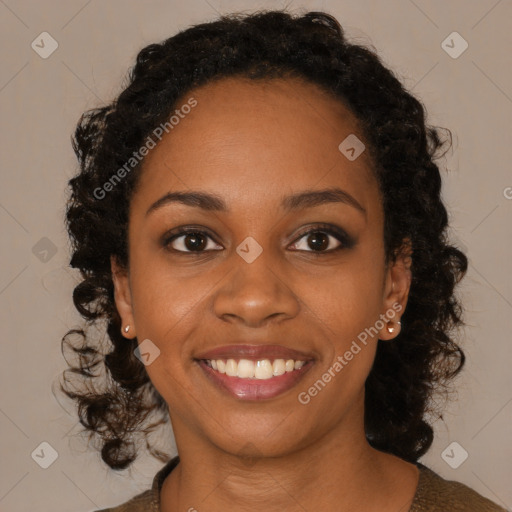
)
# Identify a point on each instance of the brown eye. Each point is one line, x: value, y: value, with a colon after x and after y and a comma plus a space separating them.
x: 194, y: 242
x: 189, y: 241
x: 322, y: 239
x: 319, y: 241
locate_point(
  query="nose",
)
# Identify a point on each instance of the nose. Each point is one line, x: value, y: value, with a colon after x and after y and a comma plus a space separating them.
x: 256, y: 293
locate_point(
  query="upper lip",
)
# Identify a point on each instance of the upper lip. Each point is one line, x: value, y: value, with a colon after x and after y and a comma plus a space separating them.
x: 255, y: 352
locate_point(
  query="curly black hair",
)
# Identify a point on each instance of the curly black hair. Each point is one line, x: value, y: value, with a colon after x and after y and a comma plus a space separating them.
x: 409, y: 370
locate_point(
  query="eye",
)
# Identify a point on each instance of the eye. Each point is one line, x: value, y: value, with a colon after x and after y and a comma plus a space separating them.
x: 189, y: 240
x: 321, y: 238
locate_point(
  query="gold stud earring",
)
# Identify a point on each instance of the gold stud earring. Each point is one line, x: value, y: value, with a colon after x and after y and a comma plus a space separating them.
x: 391, y: 328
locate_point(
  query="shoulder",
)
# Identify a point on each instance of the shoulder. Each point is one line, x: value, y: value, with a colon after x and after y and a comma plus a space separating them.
x: 435, y: 494
x: 143, y: 502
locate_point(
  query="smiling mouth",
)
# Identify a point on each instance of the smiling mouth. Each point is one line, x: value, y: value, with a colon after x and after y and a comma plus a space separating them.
x: 249, y: 379
x: 262, y: 369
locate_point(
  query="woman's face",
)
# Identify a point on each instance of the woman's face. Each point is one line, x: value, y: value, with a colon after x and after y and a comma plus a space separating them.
x: 255, y: 286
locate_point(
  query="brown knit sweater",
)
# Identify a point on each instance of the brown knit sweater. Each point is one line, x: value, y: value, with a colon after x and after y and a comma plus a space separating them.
x: 433, y: 494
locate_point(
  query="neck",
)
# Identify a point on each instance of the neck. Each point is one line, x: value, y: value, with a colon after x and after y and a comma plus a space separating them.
x: 339, y: 472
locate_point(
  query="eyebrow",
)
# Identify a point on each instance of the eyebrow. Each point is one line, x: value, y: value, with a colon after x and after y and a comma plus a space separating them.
x: 300, y: 200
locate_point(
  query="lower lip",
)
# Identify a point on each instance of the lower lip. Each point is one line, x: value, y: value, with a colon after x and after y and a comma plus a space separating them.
x: 255, y: 389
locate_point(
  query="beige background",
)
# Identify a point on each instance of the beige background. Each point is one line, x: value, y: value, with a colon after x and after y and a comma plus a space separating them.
x: 40, y: 102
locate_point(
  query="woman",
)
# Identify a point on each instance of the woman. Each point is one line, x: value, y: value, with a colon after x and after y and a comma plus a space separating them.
x: 258, y: 220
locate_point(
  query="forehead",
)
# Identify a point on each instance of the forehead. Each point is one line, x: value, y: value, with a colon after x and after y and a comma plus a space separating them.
x: 242, y: 136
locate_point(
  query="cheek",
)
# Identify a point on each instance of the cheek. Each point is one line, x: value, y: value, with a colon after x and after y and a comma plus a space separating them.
x: 346, y: 300
x: 345, y: 309
x: 166, y: 308
x: 166, y: 311
x: 161, y: 293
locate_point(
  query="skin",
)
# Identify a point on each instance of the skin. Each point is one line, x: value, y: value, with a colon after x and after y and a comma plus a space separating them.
x: 252, y: 143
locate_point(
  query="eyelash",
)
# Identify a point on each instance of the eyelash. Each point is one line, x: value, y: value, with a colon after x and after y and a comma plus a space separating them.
x: 345, y: 240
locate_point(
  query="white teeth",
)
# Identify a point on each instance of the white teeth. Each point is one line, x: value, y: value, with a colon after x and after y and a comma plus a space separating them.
x: 247, y: 369
x: 278, y: 367
x: 231, y: 367
x: 263, y: 369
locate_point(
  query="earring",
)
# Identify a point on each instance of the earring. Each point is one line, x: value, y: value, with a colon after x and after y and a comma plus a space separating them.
x: 127, y: 328
x: 391, y: 328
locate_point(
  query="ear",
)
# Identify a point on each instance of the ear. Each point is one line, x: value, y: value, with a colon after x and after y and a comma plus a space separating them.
x: 396, y: 290
x: 123, y: 298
